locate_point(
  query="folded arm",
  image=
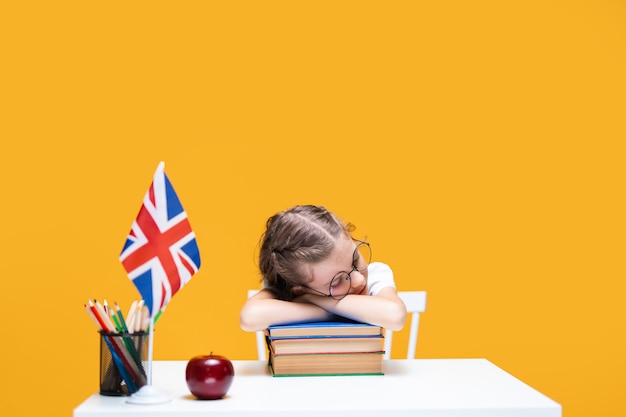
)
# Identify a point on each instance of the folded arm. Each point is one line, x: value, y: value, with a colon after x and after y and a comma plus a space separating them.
x: 263, y: 309
x: 385, y: 309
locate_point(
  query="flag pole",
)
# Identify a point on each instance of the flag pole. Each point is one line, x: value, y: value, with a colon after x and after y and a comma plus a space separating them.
x: 150, y: 349
x: 148, y: 394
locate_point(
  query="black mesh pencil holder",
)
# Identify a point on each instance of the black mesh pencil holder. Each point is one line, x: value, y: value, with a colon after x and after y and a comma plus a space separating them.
x: 123, y: 358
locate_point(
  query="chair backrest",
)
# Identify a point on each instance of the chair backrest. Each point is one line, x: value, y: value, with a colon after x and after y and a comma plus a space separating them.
x: 261, y: 345
x: 415, y: 302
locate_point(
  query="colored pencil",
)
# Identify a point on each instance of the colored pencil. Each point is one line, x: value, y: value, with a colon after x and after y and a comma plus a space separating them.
x: 120, y: 317
x: 136, y: 372
x: 130, y: 317
x: 138, y: 314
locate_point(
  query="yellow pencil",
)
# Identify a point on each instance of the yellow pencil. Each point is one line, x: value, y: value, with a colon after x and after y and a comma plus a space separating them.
x: 138, y: 315
x: 130, y: 317
x: 145, y: 318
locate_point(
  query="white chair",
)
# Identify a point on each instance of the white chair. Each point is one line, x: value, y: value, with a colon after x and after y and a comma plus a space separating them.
x: 261, y: 345
x: 415, y: 302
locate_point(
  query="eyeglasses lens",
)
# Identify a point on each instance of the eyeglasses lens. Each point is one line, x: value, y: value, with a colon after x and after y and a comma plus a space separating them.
x: 363, y: 256
x: 340, y: 285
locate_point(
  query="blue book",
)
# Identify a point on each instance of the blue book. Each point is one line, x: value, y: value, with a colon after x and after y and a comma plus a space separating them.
x: 337, y: 327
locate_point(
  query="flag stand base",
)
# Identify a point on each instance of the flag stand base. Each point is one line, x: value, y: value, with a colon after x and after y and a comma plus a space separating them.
x: 148, y: 395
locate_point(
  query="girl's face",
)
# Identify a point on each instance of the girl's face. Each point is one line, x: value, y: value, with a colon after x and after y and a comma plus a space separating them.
x: 343, y: 259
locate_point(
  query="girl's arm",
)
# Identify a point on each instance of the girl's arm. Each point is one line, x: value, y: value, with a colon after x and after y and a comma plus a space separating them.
x: 263, y: 310
x: 386, y: 309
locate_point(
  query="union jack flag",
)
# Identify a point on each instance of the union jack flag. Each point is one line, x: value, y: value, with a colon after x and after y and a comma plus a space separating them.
x: 161, y: 253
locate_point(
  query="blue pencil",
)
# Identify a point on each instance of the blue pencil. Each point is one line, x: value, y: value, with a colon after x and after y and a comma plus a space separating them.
x: 132, y: 387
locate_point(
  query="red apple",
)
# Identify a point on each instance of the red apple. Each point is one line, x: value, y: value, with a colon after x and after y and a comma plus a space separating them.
x: 209, y: 376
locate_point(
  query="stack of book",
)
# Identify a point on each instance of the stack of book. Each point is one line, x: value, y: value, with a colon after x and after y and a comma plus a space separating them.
x: 338, y: 347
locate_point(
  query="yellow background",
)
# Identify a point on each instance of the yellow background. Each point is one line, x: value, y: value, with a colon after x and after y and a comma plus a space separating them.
x: 478, y: 145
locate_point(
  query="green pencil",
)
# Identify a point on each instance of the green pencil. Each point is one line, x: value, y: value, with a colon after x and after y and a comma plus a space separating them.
x: 116, y: 323
x: 120, y: 316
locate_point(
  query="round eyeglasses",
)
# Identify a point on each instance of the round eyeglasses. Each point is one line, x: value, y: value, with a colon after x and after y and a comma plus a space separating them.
x: 341, y: 283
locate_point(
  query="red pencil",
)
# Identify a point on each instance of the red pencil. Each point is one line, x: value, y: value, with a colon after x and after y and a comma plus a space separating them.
x: 94, y: 312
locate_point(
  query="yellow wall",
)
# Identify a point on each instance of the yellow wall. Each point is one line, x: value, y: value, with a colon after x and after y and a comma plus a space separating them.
x: 478, y: 145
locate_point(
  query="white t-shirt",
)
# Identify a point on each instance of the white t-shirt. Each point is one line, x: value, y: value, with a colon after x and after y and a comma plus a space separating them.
x: 379, y: 276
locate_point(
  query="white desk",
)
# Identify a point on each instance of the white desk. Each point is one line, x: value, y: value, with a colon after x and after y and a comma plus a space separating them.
x: 422, y: 387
